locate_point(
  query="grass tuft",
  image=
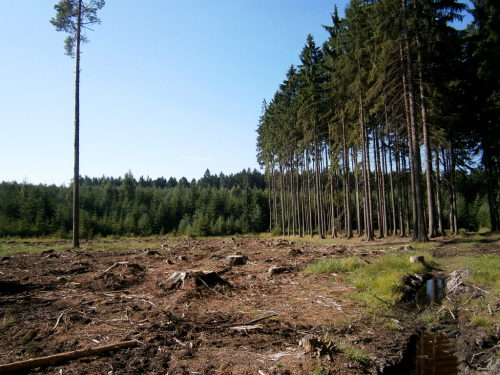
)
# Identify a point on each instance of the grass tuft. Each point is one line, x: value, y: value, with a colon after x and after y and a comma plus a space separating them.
x: 354, y: 353
x: 341, y: 265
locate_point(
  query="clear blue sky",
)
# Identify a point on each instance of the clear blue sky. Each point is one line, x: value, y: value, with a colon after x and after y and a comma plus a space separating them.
x: 168, y: 87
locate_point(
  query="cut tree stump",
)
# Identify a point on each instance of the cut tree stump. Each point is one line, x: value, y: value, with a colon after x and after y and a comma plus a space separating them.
x: 417, y: 259
x: 274, y: 270
x: 294, y: 252
x: 236, y: 260
x: 192, y: 279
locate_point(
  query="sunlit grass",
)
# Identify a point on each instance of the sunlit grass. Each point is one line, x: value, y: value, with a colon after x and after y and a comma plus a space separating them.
x: 354, y: 352
x: 426, y: 245
x: 341, y: 265
x: 383, y: 277
x: 482, y: 321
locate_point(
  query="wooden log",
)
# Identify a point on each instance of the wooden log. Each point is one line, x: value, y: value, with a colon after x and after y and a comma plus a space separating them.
x: 56, y: 358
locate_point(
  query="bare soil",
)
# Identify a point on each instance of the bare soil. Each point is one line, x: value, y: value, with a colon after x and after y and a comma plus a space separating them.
x: 54, y: 302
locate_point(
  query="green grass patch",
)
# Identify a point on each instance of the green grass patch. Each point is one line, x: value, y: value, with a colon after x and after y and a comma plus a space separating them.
x: 319, y: 370
x: 354, y: 352
x: 426, y: 245
x: 482, y: 321
x: 486, y: 271
x: 340, y: 265
x: 8, y: 320
x: 383, y: 276
x: 380, y: 277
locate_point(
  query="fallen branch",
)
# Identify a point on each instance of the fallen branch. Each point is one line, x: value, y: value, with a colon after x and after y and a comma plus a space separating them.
x: 456, y: 286
x: 247, y: 323
x: 473, y: 295
x: 256, y: 327
x: 65, y: 312
x: 453, y: 315
x: 113, y: 266
x: 482, y: 290
x: 53, y: 359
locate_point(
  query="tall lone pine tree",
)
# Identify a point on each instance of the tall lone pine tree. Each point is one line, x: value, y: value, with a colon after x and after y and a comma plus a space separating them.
x: 73, y: 17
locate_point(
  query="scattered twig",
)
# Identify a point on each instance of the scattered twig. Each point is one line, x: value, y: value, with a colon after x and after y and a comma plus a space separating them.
x: 146, y: 301
x: 247, y: 323
x: 65, y: 312
x: 212, y: 289
x: 247, y: 328
x: 113, y: 266
x: 381, y: 300
x: 453, y: 315
x: 456, y: 286
x: 482, y: 290
x: 53, y: 359
x: 179, y: 342
x: 473, y: 295
x: 474, y: 356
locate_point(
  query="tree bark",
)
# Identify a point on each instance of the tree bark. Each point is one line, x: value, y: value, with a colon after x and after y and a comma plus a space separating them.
x: 53, y: 359
x: 428, y: 157
x: 76, y: 172
x: 420, y: 234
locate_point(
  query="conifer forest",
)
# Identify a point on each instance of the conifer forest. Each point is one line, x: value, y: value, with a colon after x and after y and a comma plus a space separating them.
x: 389, y: 127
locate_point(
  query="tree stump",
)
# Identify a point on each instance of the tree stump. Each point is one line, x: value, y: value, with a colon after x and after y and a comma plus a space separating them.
x: 294, y: 252
x: 236, y: 260
x: 274, y: 270
x: 193, y: 279
x: 417, y: 259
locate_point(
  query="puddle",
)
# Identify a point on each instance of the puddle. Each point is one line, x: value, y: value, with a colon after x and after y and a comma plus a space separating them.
x: 431, y: 353
x: 434, y: 356
x: 432, y: 292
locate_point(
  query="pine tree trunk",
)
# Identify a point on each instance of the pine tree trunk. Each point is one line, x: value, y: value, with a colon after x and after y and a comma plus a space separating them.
x: 400, y: 186
x: 347, y: 187
x: 76, y: 172
x: 438, y: 197
x: 420, y: 234
x: 393, y: 200
x: 359, y: 227
x: 319, y: 208
x: 428, y: 157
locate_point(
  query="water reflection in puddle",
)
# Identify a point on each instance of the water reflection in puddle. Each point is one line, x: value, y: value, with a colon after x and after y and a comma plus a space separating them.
x: 432, y: 292
x: 434, y: 356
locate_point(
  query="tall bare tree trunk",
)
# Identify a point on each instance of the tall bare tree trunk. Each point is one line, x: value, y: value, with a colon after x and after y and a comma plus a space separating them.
x: 76, y: 172
x: 428, y: 156
x: 420, y: 233
x: 359, y: 222
x: 438, y: 197
x: 347, y: 184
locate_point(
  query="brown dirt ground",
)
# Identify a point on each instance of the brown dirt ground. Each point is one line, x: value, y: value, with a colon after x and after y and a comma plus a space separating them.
x: 53, y: 302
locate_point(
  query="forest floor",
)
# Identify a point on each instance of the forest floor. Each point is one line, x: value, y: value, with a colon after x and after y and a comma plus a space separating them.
x: 266, y: 316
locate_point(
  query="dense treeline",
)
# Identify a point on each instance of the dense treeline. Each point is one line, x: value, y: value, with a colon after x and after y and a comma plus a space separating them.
x: 377, y: 129
x: 212, y: 205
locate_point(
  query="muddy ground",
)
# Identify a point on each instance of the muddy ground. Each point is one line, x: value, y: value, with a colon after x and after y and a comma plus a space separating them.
x: 54, y: 302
